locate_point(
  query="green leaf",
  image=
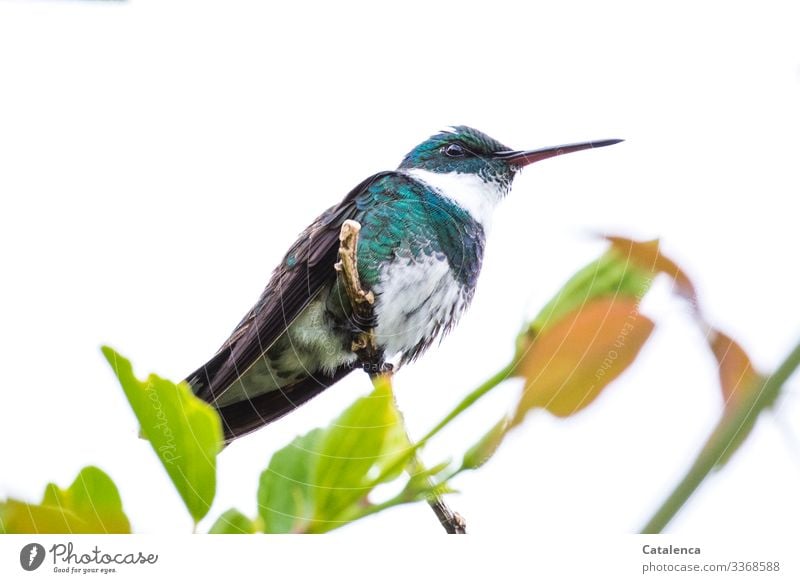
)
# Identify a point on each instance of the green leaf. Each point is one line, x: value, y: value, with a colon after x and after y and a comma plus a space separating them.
x: 322, y: 480
x: 90, y: 505
x: 285, y: 493
x: 185, y: 432
x: 479, y: 454
x: 351, y: 446
x: 233, y: 522
x: 614, y: 274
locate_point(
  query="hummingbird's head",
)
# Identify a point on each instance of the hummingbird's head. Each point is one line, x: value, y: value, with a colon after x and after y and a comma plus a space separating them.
x: 474, y: 170
x: 461, y: 150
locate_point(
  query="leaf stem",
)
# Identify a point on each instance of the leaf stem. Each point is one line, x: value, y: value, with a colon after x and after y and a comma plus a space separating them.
x: 722, y: 436
x: 468, y: 401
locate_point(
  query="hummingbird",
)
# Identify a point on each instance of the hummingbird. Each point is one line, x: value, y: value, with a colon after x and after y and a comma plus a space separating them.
x: 420, y: 248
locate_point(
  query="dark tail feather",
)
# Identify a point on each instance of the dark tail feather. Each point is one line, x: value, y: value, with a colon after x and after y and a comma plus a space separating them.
x: 245, y: 416
x: 201, y: 380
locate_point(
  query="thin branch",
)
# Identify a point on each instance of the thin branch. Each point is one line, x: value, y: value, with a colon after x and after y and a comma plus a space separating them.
x: 365, y: 347
x: 451, y: 521
x: 724, y: 434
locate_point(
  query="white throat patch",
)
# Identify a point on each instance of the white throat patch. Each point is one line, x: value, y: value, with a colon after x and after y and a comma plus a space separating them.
x: 468, y: 191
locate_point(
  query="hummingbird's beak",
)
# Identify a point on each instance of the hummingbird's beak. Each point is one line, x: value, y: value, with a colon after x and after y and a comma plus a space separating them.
x: 525, y: 157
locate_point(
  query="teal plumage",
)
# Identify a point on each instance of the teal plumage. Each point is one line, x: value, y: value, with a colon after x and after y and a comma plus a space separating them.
x: 402, y: 219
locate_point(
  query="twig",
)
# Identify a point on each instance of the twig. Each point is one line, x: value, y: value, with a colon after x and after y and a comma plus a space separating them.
x: 365, y: 348
x: 720, y: 440
x: 452, y: 521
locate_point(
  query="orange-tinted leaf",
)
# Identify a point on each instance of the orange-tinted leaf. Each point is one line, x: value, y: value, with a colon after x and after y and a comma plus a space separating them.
x: 736, y: 372
x: 738, y: 378
x: 571, y: 362
x: 648, y: 256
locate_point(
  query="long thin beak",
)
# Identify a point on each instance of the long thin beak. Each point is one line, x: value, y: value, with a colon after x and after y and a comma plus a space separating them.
x: 525, y: 157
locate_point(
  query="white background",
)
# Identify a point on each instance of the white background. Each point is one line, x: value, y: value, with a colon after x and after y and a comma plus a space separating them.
x: 157, y: 158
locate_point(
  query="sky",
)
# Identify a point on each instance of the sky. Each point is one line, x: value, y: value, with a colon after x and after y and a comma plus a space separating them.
x: 157, y: 159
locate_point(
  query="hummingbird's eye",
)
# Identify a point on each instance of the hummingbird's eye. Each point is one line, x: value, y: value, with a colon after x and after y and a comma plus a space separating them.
x: 454, y: 151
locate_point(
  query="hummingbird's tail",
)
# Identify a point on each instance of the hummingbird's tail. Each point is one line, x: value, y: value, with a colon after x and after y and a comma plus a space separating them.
x: 242, y: 417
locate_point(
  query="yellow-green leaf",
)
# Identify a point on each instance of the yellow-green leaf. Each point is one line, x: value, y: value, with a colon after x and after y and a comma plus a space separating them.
x: 233, y: 522
x: 185, y: 432
x: 90, y: 505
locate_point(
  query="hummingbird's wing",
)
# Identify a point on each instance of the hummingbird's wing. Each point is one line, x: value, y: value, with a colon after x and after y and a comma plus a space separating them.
x: 304, y: 271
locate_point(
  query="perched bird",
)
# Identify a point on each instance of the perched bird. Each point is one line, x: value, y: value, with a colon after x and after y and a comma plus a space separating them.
x: 419, y: 252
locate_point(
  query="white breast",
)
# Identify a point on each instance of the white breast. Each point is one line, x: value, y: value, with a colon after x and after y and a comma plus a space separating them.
x: 414, y: 298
